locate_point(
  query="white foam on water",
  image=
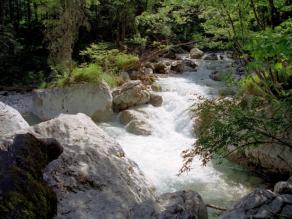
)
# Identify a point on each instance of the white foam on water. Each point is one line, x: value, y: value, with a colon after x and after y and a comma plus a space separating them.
x: 159, y: 155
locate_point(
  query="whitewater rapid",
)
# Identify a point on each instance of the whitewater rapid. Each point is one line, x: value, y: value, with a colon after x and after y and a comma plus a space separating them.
x: 159, y: 155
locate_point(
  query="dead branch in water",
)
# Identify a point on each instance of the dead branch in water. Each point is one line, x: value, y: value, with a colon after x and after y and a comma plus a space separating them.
x: 216, y: 207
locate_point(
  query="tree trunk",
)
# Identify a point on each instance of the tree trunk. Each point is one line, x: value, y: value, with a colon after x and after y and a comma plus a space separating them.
x: 28, y: 13
x: 256, y: 14
x: 11, y: 16
x: 35, y: 8
x: 274, y: 15
x: 4, y: 10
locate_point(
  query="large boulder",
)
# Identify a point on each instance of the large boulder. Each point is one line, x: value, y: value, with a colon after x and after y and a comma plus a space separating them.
x: 135, y: 122
x: 275, y: 159
x: 10, y: 120
x: 180, y: 205
x: 261, y: 204
x: 132, y: 93
x: 23, y: 191
x: 127, y: 116
x: 195, y: 53
x: 90, y: 99
x: 267, y: 159
x: 93, y: 178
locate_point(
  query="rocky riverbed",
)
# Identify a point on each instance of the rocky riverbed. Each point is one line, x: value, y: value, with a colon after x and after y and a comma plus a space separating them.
x: 126, y: 166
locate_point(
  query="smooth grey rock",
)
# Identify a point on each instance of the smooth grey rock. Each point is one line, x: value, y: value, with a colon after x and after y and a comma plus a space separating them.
x: 135, y: 122
x: 92, y: 178
x: 90, y: 99
x: 275, y: 159
x: 269, y: 159
x: 10, y: 120
x: 132, y: 93
x: 156, y: 100
x: 195, y: 53
x: 139, y: 127
x: 127, y: 116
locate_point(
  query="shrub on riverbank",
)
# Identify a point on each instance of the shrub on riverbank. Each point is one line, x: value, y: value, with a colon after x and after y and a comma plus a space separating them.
x: 108, y: 58
x: 261, y: 113
x: 91, y: 73
x: 102, y: 62
x: 241, y: 123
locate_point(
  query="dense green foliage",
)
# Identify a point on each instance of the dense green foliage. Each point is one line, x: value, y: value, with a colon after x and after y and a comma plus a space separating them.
x: 39, y: 39
x: 111, y: 60
x: 90, y: 73
x: 261, y: 34
x: 226, y: 125
x: 99, y: 63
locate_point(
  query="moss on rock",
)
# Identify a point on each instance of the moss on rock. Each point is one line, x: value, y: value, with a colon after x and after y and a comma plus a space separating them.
x: 23, y: 192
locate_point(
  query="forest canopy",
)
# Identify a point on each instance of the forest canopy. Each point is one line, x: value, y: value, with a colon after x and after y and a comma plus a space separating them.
x: 43, y: 38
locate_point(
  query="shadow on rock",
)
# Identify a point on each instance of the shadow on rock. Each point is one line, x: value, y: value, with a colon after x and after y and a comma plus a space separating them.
x: 23, y: 192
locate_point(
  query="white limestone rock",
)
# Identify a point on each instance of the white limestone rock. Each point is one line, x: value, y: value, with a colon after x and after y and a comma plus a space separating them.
x: 90, y: 99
